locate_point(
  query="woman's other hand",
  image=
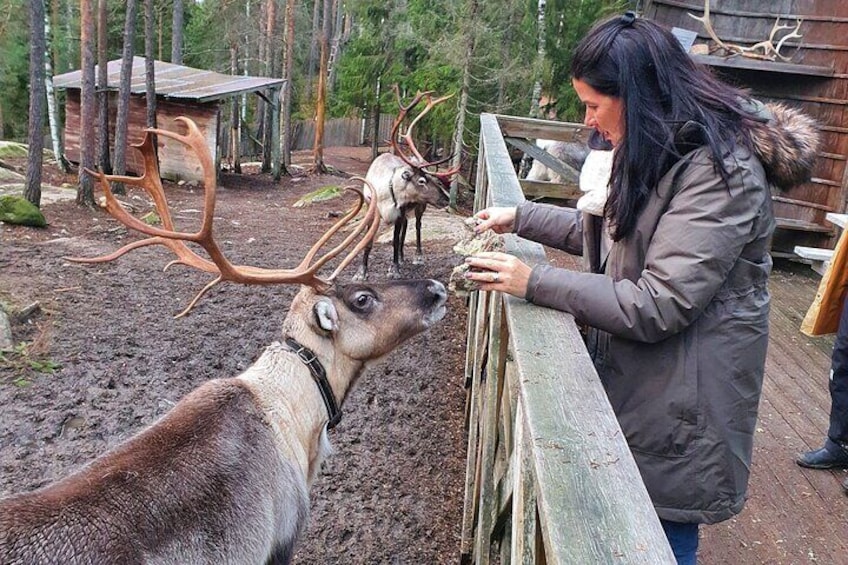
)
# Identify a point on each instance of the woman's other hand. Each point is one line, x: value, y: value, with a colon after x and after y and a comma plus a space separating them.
x: 497, y: 219
x: 499, y: 271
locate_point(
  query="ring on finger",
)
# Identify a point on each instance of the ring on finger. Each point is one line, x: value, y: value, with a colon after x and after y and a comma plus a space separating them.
x: 496, y: 277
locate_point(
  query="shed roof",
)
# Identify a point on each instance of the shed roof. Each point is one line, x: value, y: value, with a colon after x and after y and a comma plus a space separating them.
x: 176, y: 81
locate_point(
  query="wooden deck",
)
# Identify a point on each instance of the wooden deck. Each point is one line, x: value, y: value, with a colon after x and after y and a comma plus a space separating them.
x: 793, y: 515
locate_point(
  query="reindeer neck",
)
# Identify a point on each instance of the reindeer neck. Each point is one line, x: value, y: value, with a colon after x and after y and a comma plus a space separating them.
x: 284, y: 387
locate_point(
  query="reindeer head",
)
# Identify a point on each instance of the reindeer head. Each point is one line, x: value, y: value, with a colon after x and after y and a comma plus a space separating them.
x: 375, y: 317
x: 419, y: 169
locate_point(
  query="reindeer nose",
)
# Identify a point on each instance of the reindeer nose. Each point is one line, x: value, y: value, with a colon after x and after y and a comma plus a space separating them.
x: 440, y: 295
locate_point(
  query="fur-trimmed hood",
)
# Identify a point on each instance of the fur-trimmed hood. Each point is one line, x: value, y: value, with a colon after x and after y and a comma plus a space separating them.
x: 786, y: 140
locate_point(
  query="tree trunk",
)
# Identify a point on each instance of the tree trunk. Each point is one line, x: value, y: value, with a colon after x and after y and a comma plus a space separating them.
x: 122, y: 118
x: 318, y: 165
x: 88, y: 105
x: 235, y: 117
x: 150, y: 68
x: 104, y: 160
x: 177, y: 34
x: 375, y: 136
x: 537, y: 83
x: 459, y: 129
x: 37, y: 48
x: 314, y: 46
x: 52, y: 107
x: 268, y: 128
x: 288, y: 65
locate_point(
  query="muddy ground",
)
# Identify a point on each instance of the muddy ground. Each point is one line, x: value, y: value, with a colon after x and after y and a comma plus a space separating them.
x: 101, y: 357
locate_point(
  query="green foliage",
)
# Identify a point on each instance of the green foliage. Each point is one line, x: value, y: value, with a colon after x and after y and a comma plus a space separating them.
x: 18, y: 210
x: 566, y: 21
x: 14, y: 67
x: 416, y: 44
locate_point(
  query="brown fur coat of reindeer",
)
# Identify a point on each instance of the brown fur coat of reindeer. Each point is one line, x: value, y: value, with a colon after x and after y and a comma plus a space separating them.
x: 224, y: 477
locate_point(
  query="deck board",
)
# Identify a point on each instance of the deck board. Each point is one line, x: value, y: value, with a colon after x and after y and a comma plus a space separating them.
x: 793, y: 515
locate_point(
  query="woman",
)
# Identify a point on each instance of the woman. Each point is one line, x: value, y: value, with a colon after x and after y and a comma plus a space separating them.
x: 678, y: 307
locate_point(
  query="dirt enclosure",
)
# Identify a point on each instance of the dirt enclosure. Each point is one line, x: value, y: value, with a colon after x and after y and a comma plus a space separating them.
x: 392, y: 493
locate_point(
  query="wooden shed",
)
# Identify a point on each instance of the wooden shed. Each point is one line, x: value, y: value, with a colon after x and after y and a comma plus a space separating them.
x: 813, y: 79
x: 180, y: 91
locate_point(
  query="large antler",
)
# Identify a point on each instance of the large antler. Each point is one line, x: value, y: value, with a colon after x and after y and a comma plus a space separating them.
x: 416, y: 159
x: 305, y: 273
x: 770, y: 51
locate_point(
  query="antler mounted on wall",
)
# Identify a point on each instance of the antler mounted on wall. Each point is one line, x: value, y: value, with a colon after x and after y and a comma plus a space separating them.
x: 766, y: 50
x: 305, y: 273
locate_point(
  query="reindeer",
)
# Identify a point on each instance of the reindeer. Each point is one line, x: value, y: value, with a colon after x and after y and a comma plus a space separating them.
x: 224, y: 476
x: 570, y: 153
x: 404, y: 185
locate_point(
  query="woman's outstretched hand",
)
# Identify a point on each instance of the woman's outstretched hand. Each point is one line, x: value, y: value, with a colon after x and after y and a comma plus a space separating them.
x: 497, y: 219
x: 494, y: 270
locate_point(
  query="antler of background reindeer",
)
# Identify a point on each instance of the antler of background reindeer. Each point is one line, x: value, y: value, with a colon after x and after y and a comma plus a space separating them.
x: 305, y: 273
x: 770, y: 50
x: 417, y: 160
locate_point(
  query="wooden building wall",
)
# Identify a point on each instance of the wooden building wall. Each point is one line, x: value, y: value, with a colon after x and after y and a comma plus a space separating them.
x: 814, y: 80
x: 176, y: 161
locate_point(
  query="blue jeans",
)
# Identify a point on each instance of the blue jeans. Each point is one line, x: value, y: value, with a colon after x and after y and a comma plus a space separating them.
x: 838, y: 431
x: 683, y: 539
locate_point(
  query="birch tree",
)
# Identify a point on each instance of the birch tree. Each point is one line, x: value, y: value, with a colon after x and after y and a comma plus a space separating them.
x: 52, y: 107
x: 35, y: 157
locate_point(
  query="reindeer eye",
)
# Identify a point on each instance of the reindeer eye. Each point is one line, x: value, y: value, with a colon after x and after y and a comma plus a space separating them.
x: 422, y: 180
x: 363, y: 300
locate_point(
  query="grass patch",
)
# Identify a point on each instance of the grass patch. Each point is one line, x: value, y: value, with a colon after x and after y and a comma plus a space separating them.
x: 320, y: 195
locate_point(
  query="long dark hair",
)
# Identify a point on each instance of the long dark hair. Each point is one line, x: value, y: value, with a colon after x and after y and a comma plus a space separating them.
x: 671, y: 105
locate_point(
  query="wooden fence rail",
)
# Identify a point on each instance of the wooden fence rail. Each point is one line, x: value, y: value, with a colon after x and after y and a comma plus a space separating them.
x: 550, y: 478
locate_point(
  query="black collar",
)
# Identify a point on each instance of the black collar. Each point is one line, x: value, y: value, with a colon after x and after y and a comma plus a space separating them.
x: 392, y: 186
x: 320, y: 377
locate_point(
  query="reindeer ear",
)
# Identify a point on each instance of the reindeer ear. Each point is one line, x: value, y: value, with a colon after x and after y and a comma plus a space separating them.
x: 325, y: 314
x: 407, y: 174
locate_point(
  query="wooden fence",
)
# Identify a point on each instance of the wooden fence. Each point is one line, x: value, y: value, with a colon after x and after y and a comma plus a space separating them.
x: 341, y: 132
x: 550, y: 478
x: 338, y: 132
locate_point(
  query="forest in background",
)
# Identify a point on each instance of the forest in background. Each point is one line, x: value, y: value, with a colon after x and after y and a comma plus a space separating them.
x: 499, y: 56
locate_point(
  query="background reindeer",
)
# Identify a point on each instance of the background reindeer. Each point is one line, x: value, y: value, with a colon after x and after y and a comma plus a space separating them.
x: 404, y: 185
x: 571, y: 153
x: 224, y: 476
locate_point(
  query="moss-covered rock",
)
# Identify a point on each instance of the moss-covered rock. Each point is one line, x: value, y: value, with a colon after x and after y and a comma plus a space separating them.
x: 11, y: 149
x: 18, y: 210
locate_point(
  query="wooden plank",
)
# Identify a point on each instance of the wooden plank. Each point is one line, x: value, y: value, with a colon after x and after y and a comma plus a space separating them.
x: 524, y: 526
x: 489, y: 414
x: 531, y: 128
x: 567, y: 171
x: 792, y: 224
x: 759, y: 65
x: 837, y: 219
x: 814, y: 253
x: 534, y: 189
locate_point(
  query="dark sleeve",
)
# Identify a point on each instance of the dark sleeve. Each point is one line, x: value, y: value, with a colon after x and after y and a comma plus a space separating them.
x: 554, y: 226
x: 696, y: 244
